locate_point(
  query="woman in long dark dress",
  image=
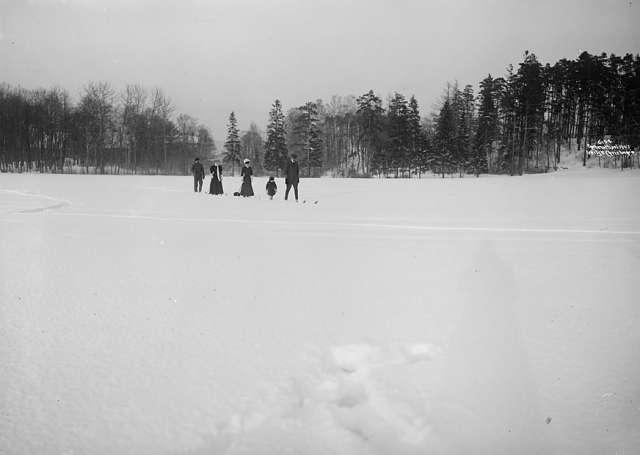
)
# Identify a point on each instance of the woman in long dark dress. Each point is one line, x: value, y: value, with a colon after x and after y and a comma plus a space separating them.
x: 246, y: 190
x: 215, y: 187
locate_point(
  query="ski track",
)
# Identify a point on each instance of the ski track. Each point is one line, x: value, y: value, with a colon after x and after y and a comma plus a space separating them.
x: 59, y: 202
x: 335, y: 224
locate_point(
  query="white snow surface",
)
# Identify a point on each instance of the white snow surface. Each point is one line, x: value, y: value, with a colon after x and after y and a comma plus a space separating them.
x: 497, y: 315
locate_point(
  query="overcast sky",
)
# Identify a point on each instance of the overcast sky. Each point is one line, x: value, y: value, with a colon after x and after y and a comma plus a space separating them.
x: 212, y: 57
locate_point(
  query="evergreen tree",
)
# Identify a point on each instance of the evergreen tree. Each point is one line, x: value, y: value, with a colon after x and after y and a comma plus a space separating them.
x: 445, y: 137
x: 416, y: 137
x: 487, y: 130
x: 371, y: 118
x: 533, y: 111
x: 460, y: 122
x: 467, y: 125
x: 275, y: 148
x: 427, y: 159
x: 398, y: 144
x: 555, y: 118
x: 232, y: 144
x: 530, y: 97
x: 295, y: 131
x: 508, y: 119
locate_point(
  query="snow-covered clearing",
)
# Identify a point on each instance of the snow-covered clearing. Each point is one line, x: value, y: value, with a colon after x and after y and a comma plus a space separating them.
x: 488, y: 316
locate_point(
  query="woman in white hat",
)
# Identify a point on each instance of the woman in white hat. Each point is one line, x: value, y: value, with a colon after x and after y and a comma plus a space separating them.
x: 246, y: 190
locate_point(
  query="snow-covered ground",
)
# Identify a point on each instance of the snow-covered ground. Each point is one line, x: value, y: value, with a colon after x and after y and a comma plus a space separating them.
x: 488, y: 316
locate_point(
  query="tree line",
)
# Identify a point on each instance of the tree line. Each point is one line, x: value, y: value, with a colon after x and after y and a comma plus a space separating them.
x: 104, y: 132
x: 525, y: 118
x: 516, y: 123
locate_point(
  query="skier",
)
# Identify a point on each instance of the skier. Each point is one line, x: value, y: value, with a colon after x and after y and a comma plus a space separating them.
x: 292, y: 176
x: 246, y: 189
x: 272, y: 188
x: 198, y: 175
x: 215, y: 187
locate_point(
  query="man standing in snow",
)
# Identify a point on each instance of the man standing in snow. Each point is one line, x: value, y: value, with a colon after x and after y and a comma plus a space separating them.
x: 292, y: 176
x: 198, y: 175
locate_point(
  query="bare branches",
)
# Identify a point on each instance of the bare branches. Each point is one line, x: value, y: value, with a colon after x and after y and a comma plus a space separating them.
x: 106, y: 132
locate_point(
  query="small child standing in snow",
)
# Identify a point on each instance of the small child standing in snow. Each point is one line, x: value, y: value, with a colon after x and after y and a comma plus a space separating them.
x: 271, y: 187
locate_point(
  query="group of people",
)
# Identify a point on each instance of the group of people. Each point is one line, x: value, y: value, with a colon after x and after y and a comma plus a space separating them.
x: 292, y: 178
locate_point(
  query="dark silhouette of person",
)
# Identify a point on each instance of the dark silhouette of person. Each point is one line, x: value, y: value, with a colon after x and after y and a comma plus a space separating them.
x: 215, y: 187
x: 272, y: 188
x: 246, y: 189
x: 198, y: 175
x: 292, y: 176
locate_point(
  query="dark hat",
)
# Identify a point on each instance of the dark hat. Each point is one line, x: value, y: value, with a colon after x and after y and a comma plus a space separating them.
x: 294, y: 156
x: 271, y: 177
x: 197, y: 159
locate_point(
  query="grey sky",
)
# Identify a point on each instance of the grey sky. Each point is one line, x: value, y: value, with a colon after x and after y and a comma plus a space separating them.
x: 212, y: 57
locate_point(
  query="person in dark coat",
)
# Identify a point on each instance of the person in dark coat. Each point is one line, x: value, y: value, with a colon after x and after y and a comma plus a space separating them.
x: 292, y: 176
x: 215, y: 187
x: 246, y: 190
x: 198, y: 175
x: 272, y: 188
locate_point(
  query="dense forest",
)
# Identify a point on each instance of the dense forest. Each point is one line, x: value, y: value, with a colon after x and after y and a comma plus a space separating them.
x: 105, y: 132
x: 512, y: 124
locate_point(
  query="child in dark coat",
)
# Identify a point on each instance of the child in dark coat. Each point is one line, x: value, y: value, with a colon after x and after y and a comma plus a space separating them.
x: 272, y: 188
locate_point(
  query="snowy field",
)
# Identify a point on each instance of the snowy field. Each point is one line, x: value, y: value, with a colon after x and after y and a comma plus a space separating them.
x: 460, y: 316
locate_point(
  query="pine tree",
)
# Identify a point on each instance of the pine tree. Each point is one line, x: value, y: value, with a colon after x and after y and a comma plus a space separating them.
x: 275, y: 148
x: 530, y: 98
x: 371, y: 118
x: 508, y: 117
x: 416, y: 136
x: 459, y: 148
x: 232, y: 144
x: 487, y: 131
x: 398, y: 147
x: 467, y: 128
x: 445, y: 137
